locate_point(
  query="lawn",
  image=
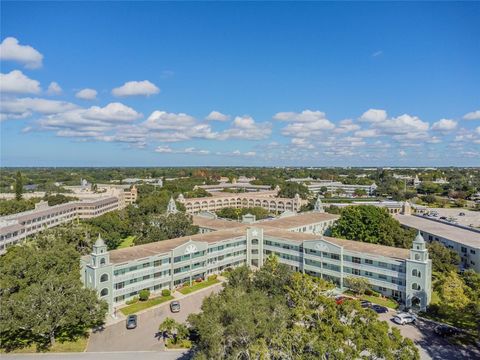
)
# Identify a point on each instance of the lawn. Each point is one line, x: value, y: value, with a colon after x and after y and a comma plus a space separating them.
x: 67, y: 346
x: 127, y: 242
x: 197, y: 286
x: 142, y: 305
x: 392, y: 304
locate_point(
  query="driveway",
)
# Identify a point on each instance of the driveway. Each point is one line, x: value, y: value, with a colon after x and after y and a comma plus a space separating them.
x: 430, y: 345
x: 145, y: 337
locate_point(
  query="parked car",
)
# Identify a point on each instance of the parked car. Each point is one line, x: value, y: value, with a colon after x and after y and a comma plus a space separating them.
x: 379, y: 309
x: 405, y: 318
x: 175, y: 306
x: 445, y: 330
x: 342, y: 298
x: 443, y: 218
x: 365, y: 304
x: 461, y: 214
x: 131, y: 322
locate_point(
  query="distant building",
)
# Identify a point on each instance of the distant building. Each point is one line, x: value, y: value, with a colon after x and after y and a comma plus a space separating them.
x: 333, y: 187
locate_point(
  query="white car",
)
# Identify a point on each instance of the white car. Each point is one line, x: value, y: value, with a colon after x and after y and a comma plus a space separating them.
x: 405, y: 318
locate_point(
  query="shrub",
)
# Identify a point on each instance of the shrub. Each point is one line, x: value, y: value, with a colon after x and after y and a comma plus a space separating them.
x: 132, y: 301
x: 371, y: 292
x: 212, y: 277
x: 144, y: 294
x: 186, y: 284
x: 198, y: 280
x: 166, y: 292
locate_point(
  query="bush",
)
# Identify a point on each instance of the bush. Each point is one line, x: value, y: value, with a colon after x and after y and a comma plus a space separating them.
x: 166, y: 292
x: 186, y: 284
x: 371, y: 292
x: 132, y: 301
x: 212, y: 277
x: 198, y: 280
x: 144, y: 294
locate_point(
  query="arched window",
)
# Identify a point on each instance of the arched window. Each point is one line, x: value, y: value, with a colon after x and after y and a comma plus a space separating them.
x: 254, y: 241
x: 415, y: 286
x: 414, y: 272
x: 102, y: 261
x: 417, y: 257
x: 104, y: 292
x: 104, y: 278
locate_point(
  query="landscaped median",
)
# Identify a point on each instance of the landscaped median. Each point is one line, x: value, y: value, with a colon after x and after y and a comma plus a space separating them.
x: 142, y: 305
x: 212, y: 280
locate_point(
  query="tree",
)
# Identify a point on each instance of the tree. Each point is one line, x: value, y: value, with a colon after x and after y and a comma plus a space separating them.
x: 43, y: 299
x: 173, y: 330
x: 248, y: 320
x: 357, y: 285
x: 290, y: 189
x: 373, y: 225
x: 360, y: 192
x: 18, y: 186
x: 444, y: 259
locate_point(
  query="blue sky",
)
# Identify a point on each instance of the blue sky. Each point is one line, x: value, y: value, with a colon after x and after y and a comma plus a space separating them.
x: 314, y: 84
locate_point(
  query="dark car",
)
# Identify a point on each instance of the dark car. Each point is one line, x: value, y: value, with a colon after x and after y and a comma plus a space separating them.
x: 365, y: 304
x: 131, y: 322
x: 175, y: 306
x: 379, y: 309
x: 445, y: 330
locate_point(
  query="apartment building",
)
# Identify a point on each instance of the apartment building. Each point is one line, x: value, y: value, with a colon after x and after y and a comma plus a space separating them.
x: 298, y: 241
x: 464, y: 241
x: 16, y: 227
x: 333, y: 187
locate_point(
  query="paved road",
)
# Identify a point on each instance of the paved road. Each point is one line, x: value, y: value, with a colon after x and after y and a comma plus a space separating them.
x: 145, y: 337
x: 431, y: 346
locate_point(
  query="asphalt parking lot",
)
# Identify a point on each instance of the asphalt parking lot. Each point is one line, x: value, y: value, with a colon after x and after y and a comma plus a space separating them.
x: 430, y: 345
x: 145, y: 337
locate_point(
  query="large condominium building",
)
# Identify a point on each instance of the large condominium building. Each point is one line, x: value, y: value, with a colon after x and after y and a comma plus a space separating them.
x: 217, y: 201
x: 334, y: 187
x: 464, y: 241
x: 297, y: 240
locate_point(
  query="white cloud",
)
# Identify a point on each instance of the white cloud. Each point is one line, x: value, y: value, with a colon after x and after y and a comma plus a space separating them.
x: 444, y: 125
x: 346, y: 125
x: 54, y: 89
x: 302, y: 143
x: 136, y: 88
x: 86, y: 94
x: 94, y: 122
x: 10, y: 49
x: 162, y: 120
x: 304, y: 116
x: 377, y: 53
x: 217, y: 116
x: 16, y: 82
x: 402, y: 153
x: 367, y: 133
x: 306, y: 124
x: 374, y: 116
x: 17, y: 108
x: 189, y: 150
x: 474, y: 115
x: 403, y: 124
x: 245, y: 127
x: 478, y: 130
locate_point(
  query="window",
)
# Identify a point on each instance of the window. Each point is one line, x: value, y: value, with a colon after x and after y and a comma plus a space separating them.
x: 472, y: 251
x: 119, y: 285
x: 415, y: 286
x: 254, y: 241
x: 368, y: 273
x: 104, y: 278
x: 417, y: 257
x: 104, y: 292
x: 368, y: 261
x: 146, y: 265
x: 102, y: 261
x: 464, y: 250
x: 355, y: 272
x: 356, y: 260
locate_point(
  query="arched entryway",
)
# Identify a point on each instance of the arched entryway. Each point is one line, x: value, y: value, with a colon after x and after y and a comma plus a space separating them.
x: 416, y: 302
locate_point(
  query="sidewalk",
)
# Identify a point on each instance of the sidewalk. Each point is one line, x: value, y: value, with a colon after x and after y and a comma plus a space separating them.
x: 177, y: 295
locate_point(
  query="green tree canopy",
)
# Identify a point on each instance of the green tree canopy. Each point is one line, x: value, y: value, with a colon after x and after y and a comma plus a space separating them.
x: 43, y: 299
x: 371, y: 224
x: 443, y: 258
x: 275, y: 313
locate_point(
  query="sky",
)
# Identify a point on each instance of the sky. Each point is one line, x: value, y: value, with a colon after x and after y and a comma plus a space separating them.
x: 240, y: 84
